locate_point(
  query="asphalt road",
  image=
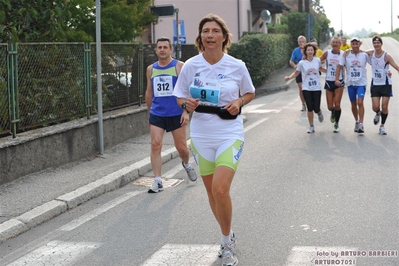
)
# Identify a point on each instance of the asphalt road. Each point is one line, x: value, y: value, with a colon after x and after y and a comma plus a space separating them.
x: 299, y: 199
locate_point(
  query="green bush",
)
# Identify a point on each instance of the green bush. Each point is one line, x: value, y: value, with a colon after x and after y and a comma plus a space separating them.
x: 262, y: 54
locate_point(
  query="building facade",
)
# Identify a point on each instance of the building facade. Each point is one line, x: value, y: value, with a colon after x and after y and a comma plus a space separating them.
x: 240, y: 15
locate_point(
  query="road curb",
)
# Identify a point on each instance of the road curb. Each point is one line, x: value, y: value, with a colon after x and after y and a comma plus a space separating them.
x: 53, y: 208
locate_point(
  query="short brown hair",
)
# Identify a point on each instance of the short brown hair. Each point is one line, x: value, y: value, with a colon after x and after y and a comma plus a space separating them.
x: 306, y: 47
x: 225, y: 30
x: 164, y: 39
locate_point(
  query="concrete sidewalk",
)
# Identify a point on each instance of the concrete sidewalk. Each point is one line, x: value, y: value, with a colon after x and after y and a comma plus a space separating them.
x: 36, y: 198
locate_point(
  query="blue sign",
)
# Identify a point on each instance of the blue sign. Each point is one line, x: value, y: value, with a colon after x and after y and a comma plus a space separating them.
x: 180, y: 28
x: 182, y: 39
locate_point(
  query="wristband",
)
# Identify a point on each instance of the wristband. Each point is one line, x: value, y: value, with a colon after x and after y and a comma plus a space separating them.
x: 243, y: 102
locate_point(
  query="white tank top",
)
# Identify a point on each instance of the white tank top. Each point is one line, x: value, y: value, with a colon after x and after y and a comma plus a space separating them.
x: 332, y: 62
x: 379, y: 69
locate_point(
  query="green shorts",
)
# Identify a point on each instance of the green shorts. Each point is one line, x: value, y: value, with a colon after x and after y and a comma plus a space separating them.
x: 211, y: 154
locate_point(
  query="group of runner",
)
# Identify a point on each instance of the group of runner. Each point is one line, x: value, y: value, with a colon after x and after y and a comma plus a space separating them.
x: 351, y: 58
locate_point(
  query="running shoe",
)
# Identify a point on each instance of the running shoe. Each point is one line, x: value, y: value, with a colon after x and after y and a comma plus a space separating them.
x: 311, y: 129
x: 377, y: 118
x: 232, y: 244
x: 191, y: 174
x: 336, y: 128
x: 321, y: 117
x: 303, y: 108
x: 361, y: 128
x: 332, y: 117
x: 156, y: 187
x: 357, y: 127
x: 382, y: 131
x: 228, y: 256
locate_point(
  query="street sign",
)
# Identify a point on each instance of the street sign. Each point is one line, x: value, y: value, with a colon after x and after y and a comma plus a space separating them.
x: 182, y: 39
x: 163, y: 11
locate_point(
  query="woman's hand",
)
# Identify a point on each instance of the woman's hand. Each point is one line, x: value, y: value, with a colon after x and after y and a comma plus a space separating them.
x: 234, y: 106
x: 191, y: 104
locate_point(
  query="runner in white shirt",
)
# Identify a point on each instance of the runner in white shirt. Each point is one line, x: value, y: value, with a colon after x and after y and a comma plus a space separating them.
x: 381, y: 82
x: 355, y: 62
x: 215, y: 86
x: 309, y: 68
x: 333, y: 92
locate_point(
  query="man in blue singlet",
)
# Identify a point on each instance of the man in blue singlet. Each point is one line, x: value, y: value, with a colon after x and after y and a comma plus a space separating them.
x: 164, y: 113
x: 297, y: 56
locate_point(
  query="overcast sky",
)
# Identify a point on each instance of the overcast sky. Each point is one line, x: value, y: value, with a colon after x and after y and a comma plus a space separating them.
x: 358, y: 14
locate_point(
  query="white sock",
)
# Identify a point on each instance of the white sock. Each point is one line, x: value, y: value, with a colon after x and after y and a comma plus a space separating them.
x: 158, y: 178
x: 225, y: 240
x: 186, y: 165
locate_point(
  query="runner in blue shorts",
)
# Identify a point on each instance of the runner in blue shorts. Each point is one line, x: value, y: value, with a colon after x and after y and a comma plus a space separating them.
x: 356, y: 79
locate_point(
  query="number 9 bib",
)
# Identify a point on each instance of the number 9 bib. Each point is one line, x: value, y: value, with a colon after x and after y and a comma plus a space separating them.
x: 207, y: 90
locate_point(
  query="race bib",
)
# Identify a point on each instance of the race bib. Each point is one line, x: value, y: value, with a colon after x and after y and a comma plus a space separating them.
x: 207, y: 90
x: 331, y: 72
x: 355, y: 72
x: 312, y: 80
x: 163, y: 86
x: 379, y: 77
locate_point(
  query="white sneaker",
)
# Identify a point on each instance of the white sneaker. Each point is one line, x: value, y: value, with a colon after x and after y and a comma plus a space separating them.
x: 156, y: 187
x: 357, y: 127
x: 233, y: 241
x: 311, y: 129
x: 192, y: 175
x: 336, y: 128
x: 321, y: 117
x: 228, y: 256
x: 361, y: 128
x: 382, y: 131
x: 377, y: 118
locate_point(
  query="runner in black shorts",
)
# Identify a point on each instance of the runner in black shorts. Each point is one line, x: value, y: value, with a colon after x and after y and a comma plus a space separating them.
x: 333, y: 92
x: 381, y: 83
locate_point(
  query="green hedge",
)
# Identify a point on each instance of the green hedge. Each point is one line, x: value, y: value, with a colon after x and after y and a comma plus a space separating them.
x: 262, y: 54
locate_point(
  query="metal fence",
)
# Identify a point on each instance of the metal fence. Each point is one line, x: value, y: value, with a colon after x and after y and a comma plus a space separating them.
x: 46, y: 83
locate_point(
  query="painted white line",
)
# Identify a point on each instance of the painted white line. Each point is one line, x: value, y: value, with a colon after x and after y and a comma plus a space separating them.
x: 251, y: 126
x: 56, y: 253
x: 93, y: 214
x: 264, y: 111
x: 310, y: 255
x: 172, y: 172
x: 251, y: 107
x: 184, y: 255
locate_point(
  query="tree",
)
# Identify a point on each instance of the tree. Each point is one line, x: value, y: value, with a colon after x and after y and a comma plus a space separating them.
x: 33, y: 20
x: 125, y: 20
x: 72, y: 20
x: 317, y: 7
x: 121, y: 20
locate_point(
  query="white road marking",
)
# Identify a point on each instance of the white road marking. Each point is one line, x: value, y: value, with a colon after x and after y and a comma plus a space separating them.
x: 93, y: 214
x: 306, y: 255
x: 56, y: 253
x: 184, y: 255
x: 251, y: 126
x: 251, y: 107
x: 264, y: 111
x: 172, y: 172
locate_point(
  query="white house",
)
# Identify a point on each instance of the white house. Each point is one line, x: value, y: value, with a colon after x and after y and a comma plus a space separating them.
x: 240, y: 15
